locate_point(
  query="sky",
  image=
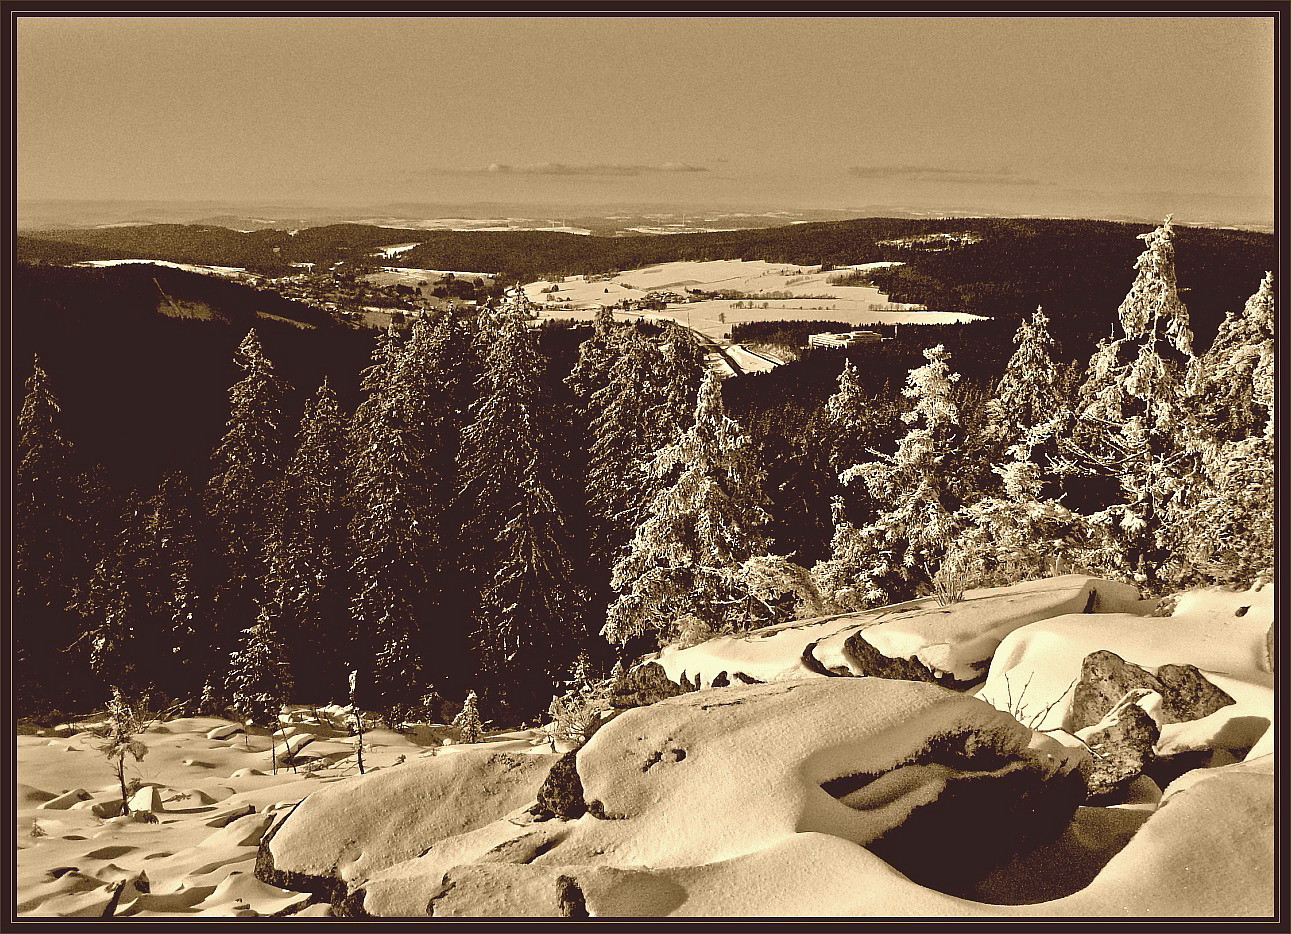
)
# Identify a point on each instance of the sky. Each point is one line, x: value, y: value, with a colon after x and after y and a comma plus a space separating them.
x: 1061, y: 116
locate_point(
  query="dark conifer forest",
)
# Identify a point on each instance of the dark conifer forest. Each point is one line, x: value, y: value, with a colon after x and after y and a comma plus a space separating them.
x: 235, y: 500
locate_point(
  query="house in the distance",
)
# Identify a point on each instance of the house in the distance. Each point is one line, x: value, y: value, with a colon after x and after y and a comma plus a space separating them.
x: 845, y: 339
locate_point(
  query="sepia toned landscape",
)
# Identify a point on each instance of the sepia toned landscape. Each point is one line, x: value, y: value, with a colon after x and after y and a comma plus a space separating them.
x: 724, y: 479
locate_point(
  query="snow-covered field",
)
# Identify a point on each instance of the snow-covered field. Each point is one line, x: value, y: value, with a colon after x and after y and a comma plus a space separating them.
x: 813, y: 794
x: 213, y: 799
x: 851, y: 304
x: 232, y: 272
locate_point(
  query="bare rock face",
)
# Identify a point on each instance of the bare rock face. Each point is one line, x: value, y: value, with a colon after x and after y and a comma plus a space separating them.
x: 644, y: 685
x: 1105, y: 678
x: 1122, y: 744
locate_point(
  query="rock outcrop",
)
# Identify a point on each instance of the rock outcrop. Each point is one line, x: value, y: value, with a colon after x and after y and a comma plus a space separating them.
x: 1105, y: 678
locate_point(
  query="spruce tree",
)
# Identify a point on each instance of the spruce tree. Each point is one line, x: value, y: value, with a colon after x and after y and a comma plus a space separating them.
x: 686, y: 564
x: 259, y: 678
x: 243, y: 487
x: 118, y: 604
x: 55, y: 547
x: 646, y: 402
x: 1219, y: 527
x: 529, y: 622
x: 1027, y: 395
x: 596, y: 356
x: 893, y: 556
x: 1131, y: 416
x: 1223, y: 383
x: 178, y: 572
x: 391, y: 537
x: 307, y: 551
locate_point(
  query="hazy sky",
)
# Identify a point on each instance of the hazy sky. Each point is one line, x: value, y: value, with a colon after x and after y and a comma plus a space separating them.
x: 1101, y: 116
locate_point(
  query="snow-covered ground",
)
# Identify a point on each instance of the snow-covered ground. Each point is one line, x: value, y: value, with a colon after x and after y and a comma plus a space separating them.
x: 214, y: 799
x: 810, y: 795
x: 856, y: 305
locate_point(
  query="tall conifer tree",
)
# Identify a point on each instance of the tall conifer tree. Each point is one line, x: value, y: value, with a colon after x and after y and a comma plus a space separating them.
x: 687, y: 560
x: 529, y: 624
x: 56, y: 503
x: 243, y: 487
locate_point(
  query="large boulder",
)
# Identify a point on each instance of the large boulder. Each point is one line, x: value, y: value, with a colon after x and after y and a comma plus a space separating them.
x: 1105, y: 678
x: 913, y: 641
x: 342, y: 833
x: 1037, y: 670
x: 1122, y: 744
x: 704, y: 777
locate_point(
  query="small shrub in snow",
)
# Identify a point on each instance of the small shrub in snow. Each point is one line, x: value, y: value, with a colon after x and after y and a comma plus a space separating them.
x: 954, y: 576
x: 118, y: 737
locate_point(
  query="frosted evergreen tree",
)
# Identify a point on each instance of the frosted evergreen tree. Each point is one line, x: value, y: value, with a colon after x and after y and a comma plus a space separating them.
x: 259, y: 678
x: 686, y: 564
x: 1019, y: 531
x: 1027, y: 395
x: 244, y: 483
x: 55, y: 544
x: 530, y: 620
x: 391, y: 537
x: 896, y: 553
x: 467, y: 722
x: 1224, y: 381
x: 596, y: 356
x: 1219, y: 526
x: 307, y: 552
x: 1132, y: 414
x: 646, y: 402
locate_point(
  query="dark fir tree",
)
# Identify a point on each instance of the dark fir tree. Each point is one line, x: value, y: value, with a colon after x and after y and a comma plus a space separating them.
x: 529, y: 624
x: 307, y: 552
x: 243, y: 487
x: 55, y: 545
x: 178, y: 570
x: 596, y: 356
x: 646, y: 402
x: 391, y: 539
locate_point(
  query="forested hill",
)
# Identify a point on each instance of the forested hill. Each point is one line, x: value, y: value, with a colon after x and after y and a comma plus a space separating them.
x: 143, y: 357
x: 994, y: 266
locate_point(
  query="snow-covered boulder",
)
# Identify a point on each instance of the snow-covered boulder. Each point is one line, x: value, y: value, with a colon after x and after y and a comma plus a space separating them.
x: 340, y: 834
x: 704, y: 777
x: 224, y: 731
x: 955, y: 643
x: 915, y: 640
x: 66, y: 800
x: 1184, y: 692
x: 1221, y: 633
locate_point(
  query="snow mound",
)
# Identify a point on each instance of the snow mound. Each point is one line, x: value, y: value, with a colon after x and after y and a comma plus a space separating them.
x: 711, y: 776
x: 1220, y: 632
x: 953, y: 643
x: 347, y: 831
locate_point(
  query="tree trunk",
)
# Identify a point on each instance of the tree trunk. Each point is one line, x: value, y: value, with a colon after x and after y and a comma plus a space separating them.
x: 121, y: 778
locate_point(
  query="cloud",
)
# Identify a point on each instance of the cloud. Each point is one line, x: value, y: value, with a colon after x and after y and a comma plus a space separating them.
x: 928, y: 173
x: 599, y: 169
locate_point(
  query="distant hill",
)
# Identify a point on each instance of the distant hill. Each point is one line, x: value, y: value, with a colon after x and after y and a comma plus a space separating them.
x: 1078, y: 269
x: 143, y: 376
